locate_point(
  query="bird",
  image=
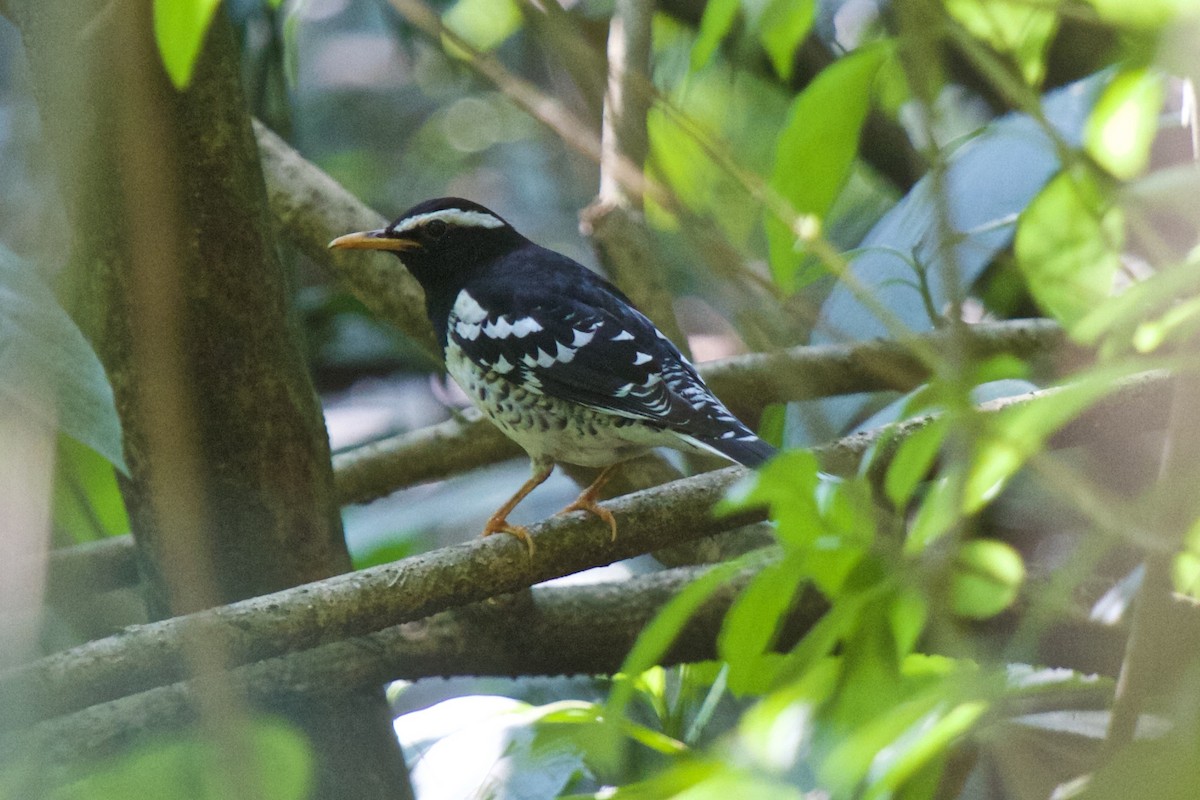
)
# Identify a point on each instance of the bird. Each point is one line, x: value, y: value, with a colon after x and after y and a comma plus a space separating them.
x: 553, y: 354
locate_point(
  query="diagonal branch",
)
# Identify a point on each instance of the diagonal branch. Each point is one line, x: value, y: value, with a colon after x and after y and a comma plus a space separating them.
x: 361, y: 602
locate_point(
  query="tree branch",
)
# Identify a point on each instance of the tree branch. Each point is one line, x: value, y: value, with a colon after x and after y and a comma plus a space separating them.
x: 551, y: 630
x: 371, y: 600
x: 361, y: 602
x: 312, y: 208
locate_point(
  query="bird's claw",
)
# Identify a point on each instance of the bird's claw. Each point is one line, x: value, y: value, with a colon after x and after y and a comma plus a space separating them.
x: 504, y: 526
x: 584, y: 503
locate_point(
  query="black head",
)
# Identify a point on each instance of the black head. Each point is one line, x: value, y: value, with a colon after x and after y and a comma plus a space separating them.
x: 440, y: 240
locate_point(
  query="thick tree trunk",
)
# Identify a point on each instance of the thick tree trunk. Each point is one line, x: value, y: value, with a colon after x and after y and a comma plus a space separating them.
x: 179, y: 285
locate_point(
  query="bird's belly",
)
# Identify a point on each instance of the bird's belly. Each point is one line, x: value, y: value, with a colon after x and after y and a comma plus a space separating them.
x: 549, y: 428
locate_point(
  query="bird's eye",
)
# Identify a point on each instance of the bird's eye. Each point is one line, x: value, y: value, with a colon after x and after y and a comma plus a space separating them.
x: 435, y: 228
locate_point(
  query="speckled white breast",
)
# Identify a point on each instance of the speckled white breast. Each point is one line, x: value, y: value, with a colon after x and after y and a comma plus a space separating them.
x: 552, y: 429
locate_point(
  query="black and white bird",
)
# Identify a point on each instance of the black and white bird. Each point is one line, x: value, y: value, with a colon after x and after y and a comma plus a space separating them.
x: 553, y: 354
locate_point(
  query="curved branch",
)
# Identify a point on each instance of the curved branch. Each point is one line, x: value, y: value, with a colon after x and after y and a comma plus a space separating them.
x: 551, y: 630
x: 312, y: 208
x: 357, y: 603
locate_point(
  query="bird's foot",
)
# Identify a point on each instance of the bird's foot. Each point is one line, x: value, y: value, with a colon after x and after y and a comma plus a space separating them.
x: 587, y: 502
x: 501, y: 525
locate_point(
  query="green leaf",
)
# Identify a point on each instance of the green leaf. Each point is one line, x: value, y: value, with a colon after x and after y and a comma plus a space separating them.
x: 87, y: 503
x: 753, y: 623
x: 1016, y: 433
x: 912, y: 461
x: 924, y: 741
x: 788, y: 485
x: 1124, y: 121
x: 653, y: 642
x: 714, y: 25
x: 907, y: 612
x: 47, y: 369
x: 937, y: 514
x: 781, y: 28
x: 1068, y: 245
x: 1020, y: 30
x: 274, y: 3
x: 179, y: 30
x: 274, y: 754
x: 1145, y: 13
x: 817, y: 146
x: 483, y: 24
x: 987, y: 577
x: 1120, y: 318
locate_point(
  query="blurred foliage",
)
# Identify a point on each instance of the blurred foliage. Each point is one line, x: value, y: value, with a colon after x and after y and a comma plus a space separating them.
x: 1075, y: 195
x: 264, y: 758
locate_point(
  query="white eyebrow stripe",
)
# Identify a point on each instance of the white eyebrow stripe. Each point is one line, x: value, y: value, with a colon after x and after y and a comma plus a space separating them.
x: 451, y: 216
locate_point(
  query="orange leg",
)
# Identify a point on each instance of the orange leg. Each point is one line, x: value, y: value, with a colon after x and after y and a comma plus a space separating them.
x: 587, y: 501
x: 498, y: 522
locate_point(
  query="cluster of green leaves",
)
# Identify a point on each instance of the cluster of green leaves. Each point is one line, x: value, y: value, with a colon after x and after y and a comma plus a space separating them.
x: 264, y: 758
x: 884, y: 693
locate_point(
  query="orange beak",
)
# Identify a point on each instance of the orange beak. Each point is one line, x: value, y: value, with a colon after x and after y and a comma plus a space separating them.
x: 372, y: 240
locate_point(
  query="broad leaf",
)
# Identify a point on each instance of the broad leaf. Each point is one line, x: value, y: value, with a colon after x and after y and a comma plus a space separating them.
x: 483, y: 24
x: 988, y: 182
x: 714, y: 25
x: 179, y: 30
x: 1124, y: 121
x: 1069, y: 245
x: 816, y: 148
x: 47, y: 369
x: 781, y: 29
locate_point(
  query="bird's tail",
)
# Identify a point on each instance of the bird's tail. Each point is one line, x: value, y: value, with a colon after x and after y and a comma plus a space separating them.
x: 749, y: 452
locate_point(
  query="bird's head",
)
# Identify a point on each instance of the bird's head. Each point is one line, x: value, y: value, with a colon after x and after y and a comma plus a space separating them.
x: 438, y: 240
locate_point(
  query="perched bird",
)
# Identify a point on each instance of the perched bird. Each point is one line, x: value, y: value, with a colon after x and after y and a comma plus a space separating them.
x: 553, y: 354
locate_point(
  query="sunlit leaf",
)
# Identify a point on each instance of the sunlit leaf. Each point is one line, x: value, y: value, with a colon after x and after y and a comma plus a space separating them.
x: 1185, y: 572
x: 776, y: 730
x: 1017, y: 29
x: 925, y: 741
x: 1123, y: 123
x: 87, y: 503
x: 816, y: 148
x: 47, y: 369
x: 272, y: 754
x: 1145, y: 13
x: 1068, y: 245
x: 1180, y: 323
x: 752, y: 623
x: 179, y: 30
x: 483, y: 24
x: 715, y: 23
x: 654, y: 640
x: 788, y: 485
x: 986, y: 579
x: 937, y: 515
x: 1016, y: 433
x: 781, y: 28
x: 913, y: 460
x: 1119, y: 318
x: 1013, y: 157
x: 907, y: 613
x: 853, y: 754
